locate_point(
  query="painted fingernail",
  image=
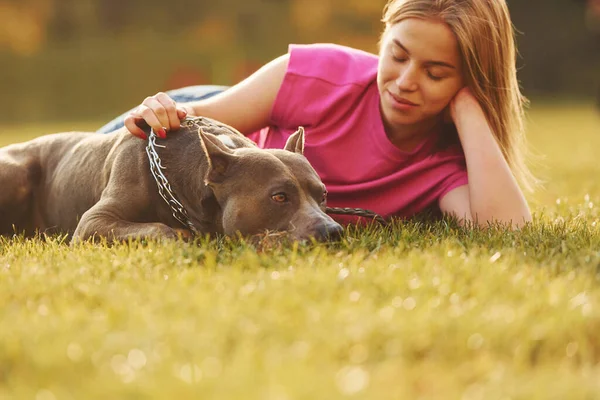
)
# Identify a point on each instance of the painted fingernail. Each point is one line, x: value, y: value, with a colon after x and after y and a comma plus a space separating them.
x: 162, y: 133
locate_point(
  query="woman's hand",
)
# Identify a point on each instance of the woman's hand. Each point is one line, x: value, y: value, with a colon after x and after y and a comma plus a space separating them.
x: 159, y: 112
x: 464, y: 106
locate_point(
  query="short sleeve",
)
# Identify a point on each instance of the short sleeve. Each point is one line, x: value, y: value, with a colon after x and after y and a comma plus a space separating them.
x: 318, y: 78
x: 456, y: 173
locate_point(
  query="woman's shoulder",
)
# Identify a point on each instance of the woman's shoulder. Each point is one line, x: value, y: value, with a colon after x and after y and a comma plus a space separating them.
x: 333, y: 50
x: 331, y: 62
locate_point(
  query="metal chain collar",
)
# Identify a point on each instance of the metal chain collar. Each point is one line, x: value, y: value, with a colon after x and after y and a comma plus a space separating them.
x: 164, y: 188
x: 179, y: 212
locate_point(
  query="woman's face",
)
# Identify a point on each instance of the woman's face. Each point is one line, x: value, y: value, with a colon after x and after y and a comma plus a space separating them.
x: 419, y: 71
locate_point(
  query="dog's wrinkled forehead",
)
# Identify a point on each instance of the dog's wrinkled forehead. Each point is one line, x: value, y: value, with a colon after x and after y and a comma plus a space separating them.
x: 273, y: 166
x: 296, y: 163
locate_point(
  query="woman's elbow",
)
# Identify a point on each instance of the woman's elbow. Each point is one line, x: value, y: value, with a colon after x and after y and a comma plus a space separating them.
x: 511, y: 221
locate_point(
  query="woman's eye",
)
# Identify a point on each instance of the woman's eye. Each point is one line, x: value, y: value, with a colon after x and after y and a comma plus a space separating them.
x: 398, y: 58
x: 279, y: 197
x: 434, y: 77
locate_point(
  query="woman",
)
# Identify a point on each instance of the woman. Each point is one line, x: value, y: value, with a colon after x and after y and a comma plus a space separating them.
x: 434, y: 121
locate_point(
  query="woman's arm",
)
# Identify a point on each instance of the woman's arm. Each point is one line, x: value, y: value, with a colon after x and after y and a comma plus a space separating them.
x: 245, y: 106
x: 492, y: 194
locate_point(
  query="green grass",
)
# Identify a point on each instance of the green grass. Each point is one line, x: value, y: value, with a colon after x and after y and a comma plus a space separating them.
x: 409, y: 311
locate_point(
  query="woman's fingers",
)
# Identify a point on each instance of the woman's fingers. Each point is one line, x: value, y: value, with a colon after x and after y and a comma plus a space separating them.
x: 181, y: 113
x: 132, y: 122
x: 144, y: 115
x: 159, y: 112
x: 154, y: 114
x: 167, y: 114
x: 151, y: 118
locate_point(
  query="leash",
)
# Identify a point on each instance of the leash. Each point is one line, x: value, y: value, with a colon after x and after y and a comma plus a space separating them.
x: 357, y: 212
x: 178, y: 210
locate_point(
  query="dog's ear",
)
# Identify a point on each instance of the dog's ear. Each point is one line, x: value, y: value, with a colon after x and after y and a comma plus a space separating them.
x: 218, y: 155
x: 295, y: 142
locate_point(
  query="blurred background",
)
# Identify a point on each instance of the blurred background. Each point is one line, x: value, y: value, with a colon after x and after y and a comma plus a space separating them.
x: 93, y: 59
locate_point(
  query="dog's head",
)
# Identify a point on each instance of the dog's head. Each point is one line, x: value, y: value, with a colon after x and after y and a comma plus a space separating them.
x: 274, y: 190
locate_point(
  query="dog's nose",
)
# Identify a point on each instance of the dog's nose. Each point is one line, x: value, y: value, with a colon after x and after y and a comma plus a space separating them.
x: 329, y: 231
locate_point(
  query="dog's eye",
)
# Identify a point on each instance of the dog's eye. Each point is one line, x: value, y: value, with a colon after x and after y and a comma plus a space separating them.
x: 324, y: 198
x: 279, y: 197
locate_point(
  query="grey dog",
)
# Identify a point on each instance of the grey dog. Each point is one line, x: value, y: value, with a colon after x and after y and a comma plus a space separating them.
x: 92, y: 186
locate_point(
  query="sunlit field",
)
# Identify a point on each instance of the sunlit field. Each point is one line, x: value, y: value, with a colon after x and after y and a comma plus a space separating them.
x: 413, y: 310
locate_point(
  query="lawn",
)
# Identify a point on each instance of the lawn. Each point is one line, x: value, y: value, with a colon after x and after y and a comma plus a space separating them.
x: 407, y: 311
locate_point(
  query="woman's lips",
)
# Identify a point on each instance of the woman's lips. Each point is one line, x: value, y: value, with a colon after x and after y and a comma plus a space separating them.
x: 400, y: 102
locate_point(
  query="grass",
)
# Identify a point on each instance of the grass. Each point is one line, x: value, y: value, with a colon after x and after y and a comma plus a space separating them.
x: 409, y: 311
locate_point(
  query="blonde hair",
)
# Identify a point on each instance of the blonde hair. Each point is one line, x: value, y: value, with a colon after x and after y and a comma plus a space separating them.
x: 486, y: 42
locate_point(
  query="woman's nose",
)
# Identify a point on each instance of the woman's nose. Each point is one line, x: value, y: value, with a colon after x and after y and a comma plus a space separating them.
x: 407, y: 79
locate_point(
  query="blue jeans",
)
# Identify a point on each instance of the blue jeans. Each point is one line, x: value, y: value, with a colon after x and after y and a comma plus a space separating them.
x: 183, y: 95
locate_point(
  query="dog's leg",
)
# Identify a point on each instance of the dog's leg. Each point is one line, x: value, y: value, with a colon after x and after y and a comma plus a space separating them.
x: 17, y: 180
x: 106, y: 219
x: 126, y: 203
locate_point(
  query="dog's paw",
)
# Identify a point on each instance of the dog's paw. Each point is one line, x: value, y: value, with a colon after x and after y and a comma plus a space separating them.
x: 183, y: 234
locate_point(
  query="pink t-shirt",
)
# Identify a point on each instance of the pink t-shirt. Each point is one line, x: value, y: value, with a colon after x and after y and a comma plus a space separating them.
x: 331, y: 91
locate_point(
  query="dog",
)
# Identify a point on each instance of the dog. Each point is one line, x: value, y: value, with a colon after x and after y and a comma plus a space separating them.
x: 94, y: 186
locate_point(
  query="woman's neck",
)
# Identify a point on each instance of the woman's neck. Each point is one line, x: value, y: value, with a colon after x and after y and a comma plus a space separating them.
x: 408, y: 137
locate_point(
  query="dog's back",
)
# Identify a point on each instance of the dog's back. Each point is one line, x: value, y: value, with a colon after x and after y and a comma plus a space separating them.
x: 50, y: 181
